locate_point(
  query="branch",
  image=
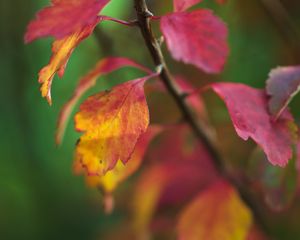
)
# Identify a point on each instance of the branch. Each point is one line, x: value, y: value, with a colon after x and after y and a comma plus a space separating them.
x: 153, y: 45
x: 144, y: 16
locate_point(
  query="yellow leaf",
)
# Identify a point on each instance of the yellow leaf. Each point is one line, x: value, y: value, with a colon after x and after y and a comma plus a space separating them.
x: 218, y: 213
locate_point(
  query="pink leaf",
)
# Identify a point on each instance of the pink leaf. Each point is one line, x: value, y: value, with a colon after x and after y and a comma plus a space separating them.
x: 248, y: 110
x: 182, y: 5
x: 283, y: 84
x: 198, y: 38
x: 298, y: 156
x: 103, y: 67
x: 64, y: 17
x: 221, y: 1
x: 195, y: 101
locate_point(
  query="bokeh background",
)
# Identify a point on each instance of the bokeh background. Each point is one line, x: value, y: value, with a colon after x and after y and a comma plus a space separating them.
x: 40, y: 197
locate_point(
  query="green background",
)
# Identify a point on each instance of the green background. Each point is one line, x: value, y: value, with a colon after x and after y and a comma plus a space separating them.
x: 40, y: 197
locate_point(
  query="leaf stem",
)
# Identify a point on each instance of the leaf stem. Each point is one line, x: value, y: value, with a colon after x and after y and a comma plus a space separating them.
x: 144, y: 17
x: 126, y: 23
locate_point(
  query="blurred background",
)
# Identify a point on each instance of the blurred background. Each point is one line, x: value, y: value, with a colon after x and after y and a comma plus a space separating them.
x: 40, y: 197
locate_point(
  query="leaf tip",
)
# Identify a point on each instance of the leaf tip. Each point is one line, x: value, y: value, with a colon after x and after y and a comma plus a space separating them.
x: 108, y: 203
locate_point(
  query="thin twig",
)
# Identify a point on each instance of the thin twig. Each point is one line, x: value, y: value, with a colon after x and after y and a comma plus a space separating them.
x: 126, y: 23
x: 144, y: 17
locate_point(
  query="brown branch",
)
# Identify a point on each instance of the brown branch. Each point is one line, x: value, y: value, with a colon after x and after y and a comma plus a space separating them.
x: 153, y: 45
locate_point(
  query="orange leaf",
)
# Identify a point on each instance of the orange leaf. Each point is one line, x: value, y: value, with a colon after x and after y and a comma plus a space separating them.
x: 62, y: 50
x: 113, y: 122
x: 218, y: 213
x: 103, y: 67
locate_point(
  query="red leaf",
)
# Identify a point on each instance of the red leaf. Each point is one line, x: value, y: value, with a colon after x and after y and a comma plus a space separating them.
x: 64, y: 17
x: 192, y: 95
x: 182, y: 5
x: 248, y: 110
x: 221, y: 1
x: 180, y: 167
x: 283, y: 84
x: 168, y: 185
x: 194, y: 100
x: 256, y: 234
x: 198, y: 38
x: 298, y: 156
x: 178, y: 145
x: 185, y: 171
x: 104, y: 66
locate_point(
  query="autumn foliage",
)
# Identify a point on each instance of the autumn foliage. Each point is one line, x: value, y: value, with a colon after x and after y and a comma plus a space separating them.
x: 184, y: 184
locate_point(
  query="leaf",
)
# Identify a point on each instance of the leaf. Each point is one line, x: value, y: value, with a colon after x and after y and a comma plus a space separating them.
x: 198, y: 38
x: 248, y: 110
x: 283, y: 84
x: 221, y: 1
x: 121, y: 172
x: 103, y: 67
x: 64, y: 17
x: 194, y: 100
x: 218, y: 213
x: 256, y: 234
x: 61, y: 52
x: 168, y: 184
x: 277, y: 186
x: 182, y: 5
x: 197, y: 105
x: 191, y: 95
x: 177, y: 144
x: 112, y: 123
x: 145, y: 202
x: 180, y: 168
x: 298, y: 155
